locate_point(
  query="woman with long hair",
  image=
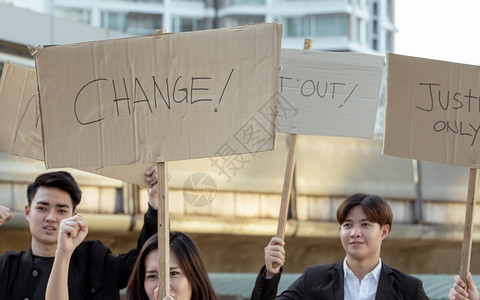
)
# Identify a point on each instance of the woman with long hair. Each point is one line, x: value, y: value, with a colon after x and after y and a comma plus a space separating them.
x: 188, y: 275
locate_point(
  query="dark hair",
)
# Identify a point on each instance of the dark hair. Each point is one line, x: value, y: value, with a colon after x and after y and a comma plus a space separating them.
x: 190, y: 260
x: 375, y: 207
x: 61, y: 180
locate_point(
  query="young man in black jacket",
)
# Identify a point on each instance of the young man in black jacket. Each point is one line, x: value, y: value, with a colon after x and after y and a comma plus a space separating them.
x: 95, y: 273
x: 364, y: 222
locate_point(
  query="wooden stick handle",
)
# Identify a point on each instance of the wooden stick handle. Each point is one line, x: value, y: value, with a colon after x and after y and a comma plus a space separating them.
x: 287, y: 186
x: 287, y: 181
x: 163, y: 232
x: 467, y: 234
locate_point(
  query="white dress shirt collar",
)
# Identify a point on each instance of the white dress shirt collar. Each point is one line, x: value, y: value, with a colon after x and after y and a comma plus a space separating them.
x: 361, y: 290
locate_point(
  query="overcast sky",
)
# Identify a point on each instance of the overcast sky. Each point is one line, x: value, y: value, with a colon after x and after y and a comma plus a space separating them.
x: 439, y: 29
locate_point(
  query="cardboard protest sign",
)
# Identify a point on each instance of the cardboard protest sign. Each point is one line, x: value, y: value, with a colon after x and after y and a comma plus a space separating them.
x: 329, y: 93
x: 20, y: 127
x: 160, y: 97
x: 20, y: 123
x: 432, y: 111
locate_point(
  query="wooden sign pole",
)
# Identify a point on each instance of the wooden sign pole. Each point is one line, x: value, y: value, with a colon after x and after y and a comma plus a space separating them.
x: 163, y: 225
x: 467, y: 234
x: 163, y: 232
x: 287, y: 181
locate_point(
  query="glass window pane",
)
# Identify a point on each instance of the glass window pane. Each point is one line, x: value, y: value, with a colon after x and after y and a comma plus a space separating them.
x: 77, y: 15
x: 244, y: 2
x: 329, y: 25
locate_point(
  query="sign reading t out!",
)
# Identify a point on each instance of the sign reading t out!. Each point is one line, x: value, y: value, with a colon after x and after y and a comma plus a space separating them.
x: 433, y: 111
x: 327, y: 93
x: 159, y: 98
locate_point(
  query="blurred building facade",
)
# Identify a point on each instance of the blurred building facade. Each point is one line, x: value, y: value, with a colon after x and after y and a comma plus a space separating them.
x: 334, y: 25
x: 428, y: 203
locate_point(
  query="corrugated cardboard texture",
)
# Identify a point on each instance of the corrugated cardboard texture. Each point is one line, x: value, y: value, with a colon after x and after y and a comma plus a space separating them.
x: 20, y: 126
x: 327, y: 93
x: 432, y: 111
x: 160, y: 97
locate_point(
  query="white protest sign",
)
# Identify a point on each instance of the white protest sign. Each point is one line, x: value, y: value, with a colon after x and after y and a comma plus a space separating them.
x: 329, y: 93
x: 160, y: 97
x: 432, y: 111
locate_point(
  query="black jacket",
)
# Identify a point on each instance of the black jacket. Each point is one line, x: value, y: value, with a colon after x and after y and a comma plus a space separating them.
x: 94, y: 273
x: 325, y: 282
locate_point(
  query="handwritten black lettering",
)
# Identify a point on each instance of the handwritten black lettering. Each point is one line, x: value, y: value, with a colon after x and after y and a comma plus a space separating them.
x: 185, y: 90
x: 195, y: 90
x: 126, y: 98
x: 348, y: 97
x: 334, y: 84
x: 137, y: 83
x: 157, y: 88
x: 313, y: 88
x: 37, y: 115
x: 76, y: 102
x: 225, y: 87
x: 318, y: 89
x: 310, y: 87
x: 431, y: 96
x: 455, y: 97
x: 458, y: 127
x: 470, y: 97
x: 281, y: 82
x: 446, y: 102
x: 192, y: 88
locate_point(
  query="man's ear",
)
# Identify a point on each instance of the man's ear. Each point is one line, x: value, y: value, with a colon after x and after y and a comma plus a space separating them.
x: 27, y: 212
x: 74, y: 213
x: 385, y: 231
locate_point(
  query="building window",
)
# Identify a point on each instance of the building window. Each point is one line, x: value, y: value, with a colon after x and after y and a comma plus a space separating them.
x: 240, y: 20
x: 143, y: 24
x: 184, y: 24
x: 114, y: 21
x: 361, y: 3
x: 132, y: 23
x: 244, y: 2
x: 387, y: 9
x: 360, y: 31
x: 315, y: 26
x: 293, y: 27
x: 77, y: 15
x: 328, y: 25
x: 139, y: 1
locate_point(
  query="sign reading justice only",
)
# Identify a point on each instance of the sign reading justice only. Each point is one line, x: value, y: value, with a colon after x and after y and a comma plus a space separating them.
x: 432, y: 111
x: 160, y: 97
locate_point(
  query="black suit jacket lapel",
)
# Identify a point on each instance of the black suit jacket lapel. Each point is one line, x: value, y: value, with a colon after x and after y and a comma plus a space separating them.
x: 384, y: 289
x: 338, y: 281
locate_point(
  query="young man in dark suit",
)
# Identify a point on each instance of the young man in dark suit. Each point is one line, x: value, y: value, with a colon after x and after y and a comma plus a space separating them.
x: 364, y: 222
x: 96, y: 272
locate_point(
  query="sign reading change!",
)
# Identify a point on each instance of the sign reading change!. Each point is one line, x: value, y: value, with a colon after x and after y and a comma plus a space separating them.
x: 433, y: 111
x: 160, y: 97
